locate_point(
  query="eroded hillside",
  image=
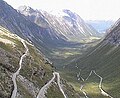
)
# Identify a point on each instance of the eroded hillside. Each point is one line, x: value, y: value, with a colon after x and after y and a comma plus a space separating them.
x: 35, y: 72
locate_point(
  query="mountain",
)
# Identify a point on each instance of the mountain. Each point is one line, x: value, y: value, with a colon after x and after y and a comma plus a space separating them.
x: 27, y: 36
x: 65, y: 24
x: 17, y: 23
x: 101, y: 25
x: 22, y: 65
x: 34, y: 72
x: 46, y: 31
x: 44, y: 34
x: 100, y: 63
x: 24, y: 71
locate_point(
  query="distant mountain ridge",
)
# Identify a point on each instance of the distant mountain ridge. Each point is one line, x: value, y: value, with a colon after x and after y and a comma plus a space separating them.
x: 24, y: 70
x: 66, y: 24
x: 44, y: 30
x: 101, y: 25
x: 19, y: 24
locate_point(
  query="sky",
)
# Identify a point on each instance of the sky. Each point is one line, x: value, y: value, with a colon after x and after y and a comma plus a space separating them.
x: 87, y: 9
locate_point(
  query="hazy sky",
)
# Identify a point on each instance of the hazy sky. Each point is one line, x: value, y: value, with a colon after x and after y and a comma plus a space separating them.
x: 87, y: 9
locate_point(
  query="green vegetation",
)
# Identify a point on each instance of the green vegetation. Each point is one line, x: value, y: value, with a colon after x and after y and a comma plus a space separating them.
x: 36, y: 69
x: 63, y: 56
x: 105, y: 60
x: 70, y: 91
x: 15, y: 40
x: 6, y: 47
x: 23, y: 92
x: 54, y: 92
x: 5, y: 81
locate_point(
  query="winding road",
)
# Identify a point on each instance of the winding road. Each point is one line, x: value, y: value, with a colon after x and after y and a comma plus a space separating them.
x: 43, y: 90
x: 58, y: 81
x: 17, y: 72
x: 81, y: 87
x: 100, y: 85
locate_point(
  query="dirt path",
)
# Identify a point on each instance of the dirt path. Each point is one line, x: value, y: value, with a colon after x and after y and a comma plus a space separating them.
x: 17, y: 72
x: 100, y: 84
x: 43, y: 90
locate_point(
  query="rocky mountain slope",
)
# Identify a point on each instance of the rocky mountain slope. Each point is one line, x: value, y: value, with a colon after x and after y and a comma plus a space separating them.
x: 102, y: 59
x: 67, y: 25
x: 21, y: 63
x: 51, y: 34
x: 18, y: 24
x: 44, y: 30
x: 34, y: 70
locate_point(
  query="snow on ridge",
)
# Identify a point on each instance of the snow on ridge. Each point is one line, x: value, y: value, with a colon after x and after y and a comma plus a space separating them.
x: 58, y: 13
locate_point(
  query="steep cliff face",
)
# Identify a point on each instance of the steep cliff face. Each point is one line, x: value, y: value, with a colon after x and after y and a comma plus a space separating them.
x: 34, y: 15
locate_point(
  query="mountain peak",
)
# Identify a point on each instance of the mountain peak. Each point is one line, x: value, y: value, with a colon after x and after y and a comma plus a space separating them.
x: 71, y: 21
x: 71, y: 14
x: 26, y: 9
x: 63, y: 12
x: 58, y: 13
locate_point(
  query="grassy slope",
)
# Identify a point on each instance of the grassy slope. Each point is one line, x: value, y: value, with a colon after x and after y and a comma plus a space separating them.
x: 106, y: 63
x: 35, y: 68
x: 12, y: 56
x: 9, y: 59
x: 54, y: 89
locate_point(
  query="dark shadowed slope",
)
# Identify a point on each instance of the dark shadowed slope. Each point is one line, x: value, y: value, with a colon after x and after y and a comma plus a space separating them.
x: 104, y: 59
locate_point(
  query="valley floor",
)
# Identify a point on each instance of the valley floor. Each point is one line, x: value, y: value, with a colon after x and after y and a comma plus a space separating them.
x: 96, y: 74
